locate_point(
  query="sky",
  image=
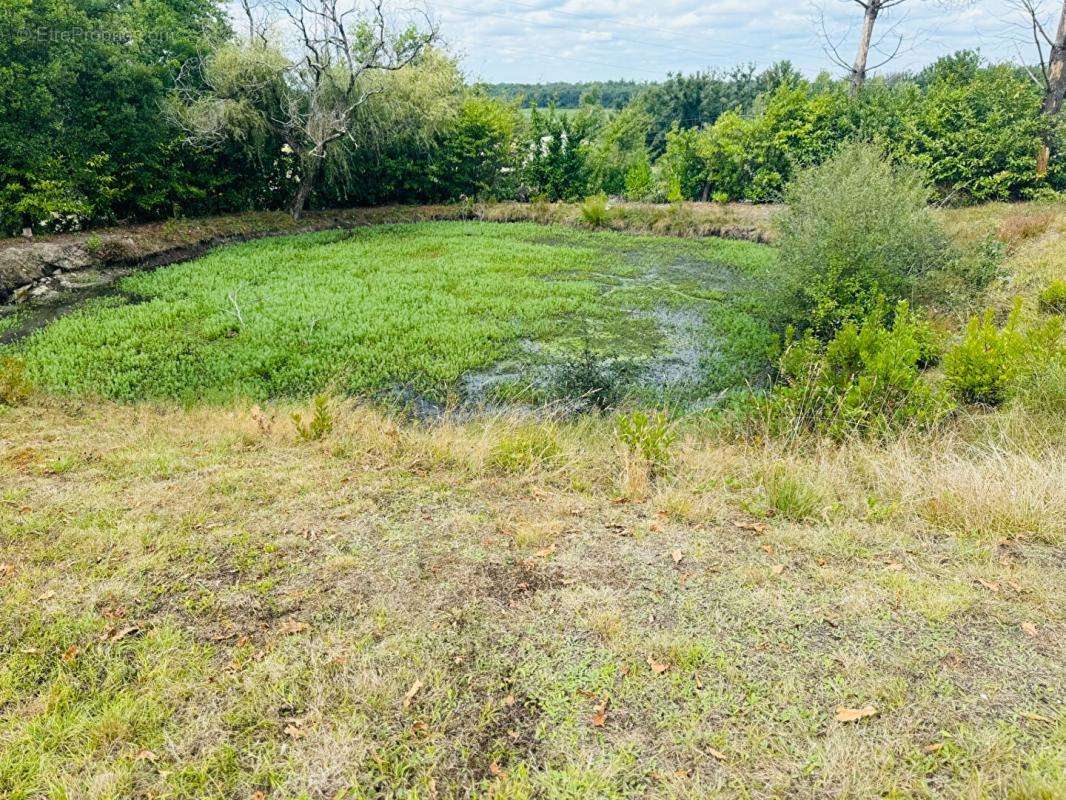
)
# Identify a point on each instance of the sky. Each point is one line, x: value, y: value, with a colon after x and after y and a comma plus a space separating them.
x: 531, y: 41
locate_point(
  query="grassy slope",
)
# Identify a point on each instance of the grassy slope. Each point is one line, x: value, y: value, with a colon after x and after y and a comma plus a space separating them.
x: 197, y: 604
x: 406, y: 305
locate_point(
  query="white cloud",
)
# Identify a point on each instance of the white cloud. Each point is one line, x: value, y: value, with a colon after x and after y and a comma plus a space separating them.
x: 532, y: 40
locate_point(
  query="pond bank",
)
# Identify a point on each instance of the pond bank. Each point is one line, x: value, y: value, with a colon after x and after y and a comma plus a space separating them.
x: 68, y: 264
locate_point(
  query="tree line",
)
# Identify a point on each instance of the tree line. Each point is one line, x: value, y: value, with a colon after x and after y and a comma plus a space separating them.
x: 125, y: 112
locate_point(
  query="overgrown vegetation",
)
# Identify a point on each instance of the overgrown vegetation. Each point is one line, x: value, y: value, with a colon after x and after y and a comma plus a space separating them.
x: 411, y: 308
x: 857, y: 233
x: 196, y: 128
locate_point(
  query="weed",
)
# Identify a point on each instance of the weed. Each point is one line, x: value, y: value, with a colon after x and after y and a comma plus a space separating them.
x: 320, y: 423
x: 523, y: 448
x: 790, y: 496
x: 649, y: 435
x: 94, y: 244
x: 15, y: 387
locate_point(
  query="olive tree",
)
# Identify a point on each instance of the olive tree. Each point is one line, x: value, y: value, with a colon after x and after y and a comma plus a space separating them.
x: 298, y: 75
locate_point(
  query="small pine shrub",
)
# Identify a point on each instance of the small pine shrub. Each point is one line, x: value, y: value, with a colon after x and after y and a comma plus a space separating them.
x: 1053, y: 298
x: 867, y: 380
x: 990, y: 362
x: 319, y: 425
x: 594, y: 211
x: 649, y: 435
x: 981, y: 369
x: 15, y: 387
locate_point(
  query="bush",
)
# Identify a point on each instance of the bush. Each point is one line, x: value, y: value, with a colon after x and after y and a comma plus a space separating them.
x: 974, y: 132
x: 1053, y: 298
x: 592, y: 382
x: 988, y: 364
x: 867, y: 380
x: 594, y: 211
x: 857, y: 233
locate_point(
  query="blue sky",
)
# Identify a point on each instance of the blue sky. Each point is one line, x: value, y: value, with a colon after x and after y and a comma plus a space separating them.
x: 570, y: 40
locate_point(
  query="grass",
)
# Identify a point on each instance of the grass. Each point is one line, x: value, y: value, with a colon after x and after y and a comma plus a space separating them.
x: 415, y: 306
x: 201, y: 603
x: 218, y: 601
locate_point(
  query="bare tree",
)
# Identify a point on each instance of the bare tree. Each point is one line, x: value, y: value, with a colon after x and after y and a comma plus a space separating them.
x: 860, y: 67
x: 1052, y: 77
x: 306, y: 94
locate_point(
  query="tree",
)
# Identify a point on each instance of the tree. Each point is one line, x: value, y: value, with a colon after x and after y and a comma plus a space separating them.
x: 1052, y: 78
x: 306, y: 98
x: 859, y: 68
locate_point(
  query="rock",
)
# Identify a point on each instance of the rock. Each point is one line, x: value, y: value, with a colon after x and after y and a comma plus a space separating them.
x: 26, y: 264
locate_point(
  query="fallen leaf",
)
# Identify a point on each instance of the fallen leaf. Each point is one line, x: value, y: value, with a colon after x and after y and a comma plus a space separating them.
x: 777, y: 569
x: 70, y: 653
x: 754, y: 527
x: 494, y: 768
x: 655, y: 527
x: 258, y: 795
x: 677, y: 555
x: 416, y: 687
x: 854, y: 714
x: 509, y: 700
x: 894, y: 566
x: 291, y: 626
x: 1029, y: 629
x: 546, y: 551
x: 932, y: 748
x: 717, y: 754
x: 768, y: 549
x: 600, y: 717
x: 145, y: 755
x: 1035, y: 717
x: 657, y: 667
x: 294, y: 731
x: 992, y: 586
x: 122, y: 633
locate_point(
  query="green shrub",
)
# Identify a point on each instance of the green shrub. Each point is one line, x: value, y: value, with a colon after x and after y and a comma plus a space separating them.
x: 319, y: 425
x: 640, y: 180
x: 857, y: 233
x: 15, y: 387
x: 990, y: 361
x: 650, y: 435
x: 593, y: 382
x: 1053, y: 298
x: 974, y: 132
x: 594, y: 211
x: 867, y: 380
